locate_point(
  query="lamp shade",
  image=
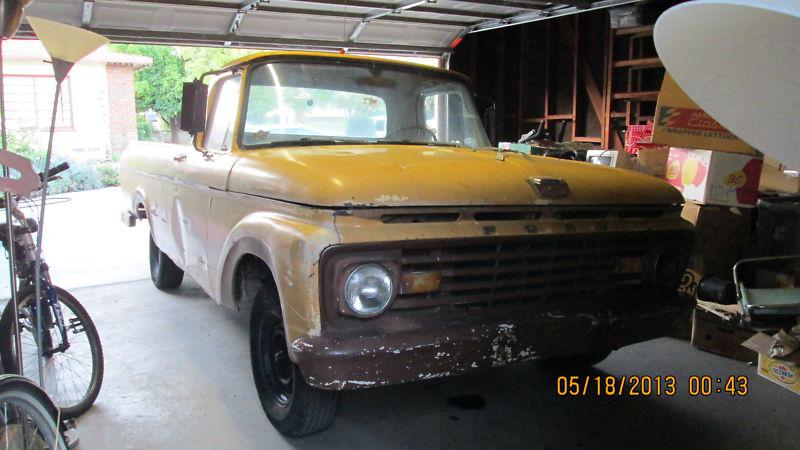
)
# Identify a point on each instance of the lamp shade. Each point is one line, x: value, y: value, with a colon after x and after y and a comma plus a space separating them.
x: 740, y: 62
x: 64, y: 42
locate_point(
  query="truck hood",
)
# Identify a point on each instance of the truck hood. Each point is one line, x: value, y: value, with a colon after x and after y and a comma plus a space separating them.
x: 402, y: 175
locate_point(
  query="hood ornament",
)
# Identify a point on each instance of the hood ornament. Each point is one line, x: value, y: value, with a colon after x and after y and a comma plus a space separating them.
x: 550, y: 187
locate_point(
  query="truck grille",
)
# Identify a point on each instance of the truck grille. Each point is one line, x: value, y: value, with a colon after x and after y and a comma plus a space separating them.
x: 525, y: 269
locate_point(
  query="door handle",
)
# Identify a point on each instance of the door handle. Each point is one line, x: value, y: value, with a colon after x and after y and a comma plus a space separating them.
x: 180, y: 158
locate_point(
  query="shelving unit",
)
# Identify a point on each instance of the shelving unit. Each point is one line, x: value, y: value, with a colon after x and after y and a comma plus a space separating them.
x: 633, y: 76
x: 572, y: 69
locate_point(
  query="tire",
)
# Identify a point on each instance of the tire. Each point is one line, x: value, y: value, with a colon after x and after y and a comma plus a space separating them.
x: 577, y: 362
x: 26, y: 416
x: 292, y: 406
x: 87, y: 376
x: 164, y: 273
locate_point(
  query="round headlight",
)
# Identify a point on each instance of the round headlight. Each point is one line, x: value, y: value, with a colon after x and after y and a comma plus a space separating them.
x: 368, y: 289
x: 667, y: 266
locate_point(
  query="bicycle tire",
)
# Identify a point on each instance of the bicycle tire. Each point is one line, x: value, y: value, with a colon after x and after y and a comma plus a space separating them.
x: 70, y: 408
x: 22, y: 405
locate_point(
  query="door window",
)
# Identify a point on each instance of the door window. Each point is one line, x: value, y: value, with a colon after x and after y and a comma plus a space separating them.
x: 219, y: 131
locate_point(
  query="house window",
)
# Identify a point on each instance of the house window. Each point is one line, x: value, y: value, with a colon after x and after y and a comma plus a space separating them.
x: 29, y: 102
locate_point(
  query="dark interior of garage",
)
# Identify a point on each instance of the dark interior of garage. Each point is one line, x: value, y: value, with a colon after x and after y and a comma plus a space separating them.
x: 588, y: 72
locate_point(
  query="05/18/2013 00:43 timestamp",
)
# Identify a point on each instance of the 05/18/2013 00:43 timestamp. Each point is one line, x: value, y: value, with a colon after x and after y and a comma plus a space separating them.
x: 647, y: 385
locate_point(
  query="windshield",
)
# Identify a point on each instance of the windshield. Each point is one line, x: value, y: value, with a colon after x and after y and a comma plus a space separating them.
x: 346, y: 102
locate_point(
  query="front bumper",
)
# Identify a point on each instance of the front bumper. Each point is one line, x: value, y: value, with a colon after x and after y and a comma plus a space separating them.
x: 462, y: 340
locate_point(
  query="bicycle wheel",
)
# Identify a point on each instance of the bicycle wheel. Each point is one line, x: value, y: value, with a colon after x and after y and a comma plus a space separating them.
x: 72, y: 377
x: 28, y: 419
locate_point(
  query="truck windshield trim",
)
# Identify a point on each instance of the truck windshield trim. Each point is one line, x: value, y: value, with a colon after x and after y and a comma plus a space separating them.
x: 329, y: 101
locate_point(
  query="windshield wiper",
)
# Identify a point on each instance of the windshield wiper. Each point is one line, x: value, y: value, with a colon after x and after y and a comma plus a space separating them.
x: 410, y: 142
x: 306, y: 141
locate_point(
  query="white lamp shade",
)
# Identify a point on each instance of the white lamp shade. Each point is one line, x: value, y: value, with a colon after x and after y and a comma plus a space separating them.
x: 65, y: 42
x: 740, y: 62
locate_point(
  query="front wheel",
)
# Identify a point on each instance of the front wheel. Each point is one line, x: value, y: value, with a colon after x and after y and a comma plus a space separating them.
x: 294, y: 408
x: 72, y: 376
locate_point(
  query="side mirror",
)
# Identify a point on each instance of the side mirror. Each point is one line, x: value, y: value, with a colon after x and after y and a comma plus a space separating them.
x: 193, y: 107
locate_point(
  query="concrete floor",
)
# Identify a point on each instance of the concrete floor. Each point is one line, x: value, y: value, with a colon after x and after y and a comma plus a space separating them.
x: 178, y: 376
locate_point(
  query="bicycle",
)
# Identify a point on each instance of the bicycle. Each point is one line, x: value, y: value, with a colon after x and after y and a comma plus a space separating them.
x: 72, y: 354
x: 28, y: 418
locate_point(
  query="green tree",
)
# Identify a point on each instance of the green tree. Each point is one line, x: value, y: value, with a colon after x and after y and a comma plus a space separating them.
x: 159, y: 86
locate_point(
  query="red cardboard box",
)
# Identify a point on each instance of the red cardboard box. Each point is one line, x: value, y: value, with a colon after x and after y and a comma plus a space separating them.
x: 715, y: 178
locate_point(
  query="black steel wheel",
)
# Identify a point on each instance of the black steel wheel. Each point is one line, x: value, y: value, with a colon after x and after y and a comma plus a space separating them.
x: 577, y: 362
x: 164, y: 273
x: 292, y: 406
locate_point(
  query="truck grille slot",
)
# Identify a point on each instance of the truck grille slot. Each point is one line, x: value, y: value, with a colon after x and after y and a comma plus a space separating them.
x: 420, y: 218
x: 524, y: 269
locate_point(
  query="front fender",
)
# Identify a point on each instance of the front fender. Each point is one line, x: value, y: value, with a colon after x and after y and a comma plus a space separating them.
x: 291, y: 249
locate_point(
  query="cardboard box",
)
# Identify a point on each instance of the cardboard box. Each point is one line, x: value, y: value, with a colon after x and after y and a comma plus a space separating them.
x: 653, y: 161
x: 679, y: 122
x: 774, y: 163
x: 689, y: 280
x: 774, y: 179
x: 715, y: 178
x: 720, y: 237
x: 783, y: 371
x: 711, y: 333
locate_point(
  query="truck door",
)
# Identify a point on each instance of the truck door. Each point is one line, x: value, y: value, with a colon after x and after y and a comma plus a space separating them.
x: 202, y: 173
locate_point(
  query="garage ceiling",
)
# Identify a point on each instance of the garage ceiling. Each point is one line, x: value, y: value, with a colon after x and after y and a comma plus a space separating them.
x: 404, y: 26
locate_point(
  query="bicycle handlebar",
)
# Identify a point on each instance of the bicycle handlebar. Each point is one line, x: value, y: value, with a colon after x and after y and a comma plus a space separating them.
x: 54, y: 171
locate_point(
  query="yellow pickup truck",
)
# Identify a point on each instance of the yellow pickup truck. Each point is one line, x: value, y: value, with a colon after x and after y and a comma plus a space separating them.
x: 355, y: 207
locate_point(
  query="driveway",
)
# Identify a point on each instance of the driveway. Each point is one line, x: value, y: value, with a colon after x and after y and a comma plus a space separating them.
x: 86, y: 244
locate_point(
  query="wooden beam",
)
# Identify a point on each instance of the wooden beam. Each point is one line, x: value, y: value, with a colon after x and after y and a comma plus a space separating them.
x: 644, y: 30
x: 639, y: 63
x: 589, y: 83
x: 576, y: 63
x: 500, y: 88
x: 522, y: 77
x: 595, y: 97
x: 637, y: 96
x: 607, y: 88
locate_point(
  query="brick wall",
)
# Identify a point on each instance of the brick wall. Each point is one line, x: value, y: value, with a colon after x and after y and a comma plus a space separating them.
x: 121, y: 105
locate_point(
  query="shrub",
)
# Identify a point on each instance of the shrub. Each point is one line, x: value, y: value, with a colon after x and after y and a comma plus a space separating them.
x: 109, y: 173
x: 81, y: 176
x: 144, y: 128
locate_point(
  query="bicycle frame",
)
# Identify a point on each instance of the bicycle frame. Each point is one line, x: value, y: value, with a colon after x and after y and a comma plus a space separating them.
x: 24, y: 255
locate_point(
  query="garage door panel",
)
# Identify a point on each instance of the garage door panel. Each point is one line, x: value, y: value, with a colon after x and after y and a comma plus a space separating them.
x: 409, y: 34
x: 291, y: 26
x: 158, y: 17
x: 58, y: 10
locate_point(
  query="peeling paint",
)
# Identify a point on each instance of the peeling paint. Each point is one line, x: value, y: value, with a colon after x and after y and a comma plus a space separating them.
x: 431, y: 375
x: 387, y: 198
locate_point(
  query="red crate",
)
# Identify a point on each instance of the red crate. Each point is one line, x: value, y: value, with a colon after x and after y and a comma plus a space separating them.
x: 639, y: 136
